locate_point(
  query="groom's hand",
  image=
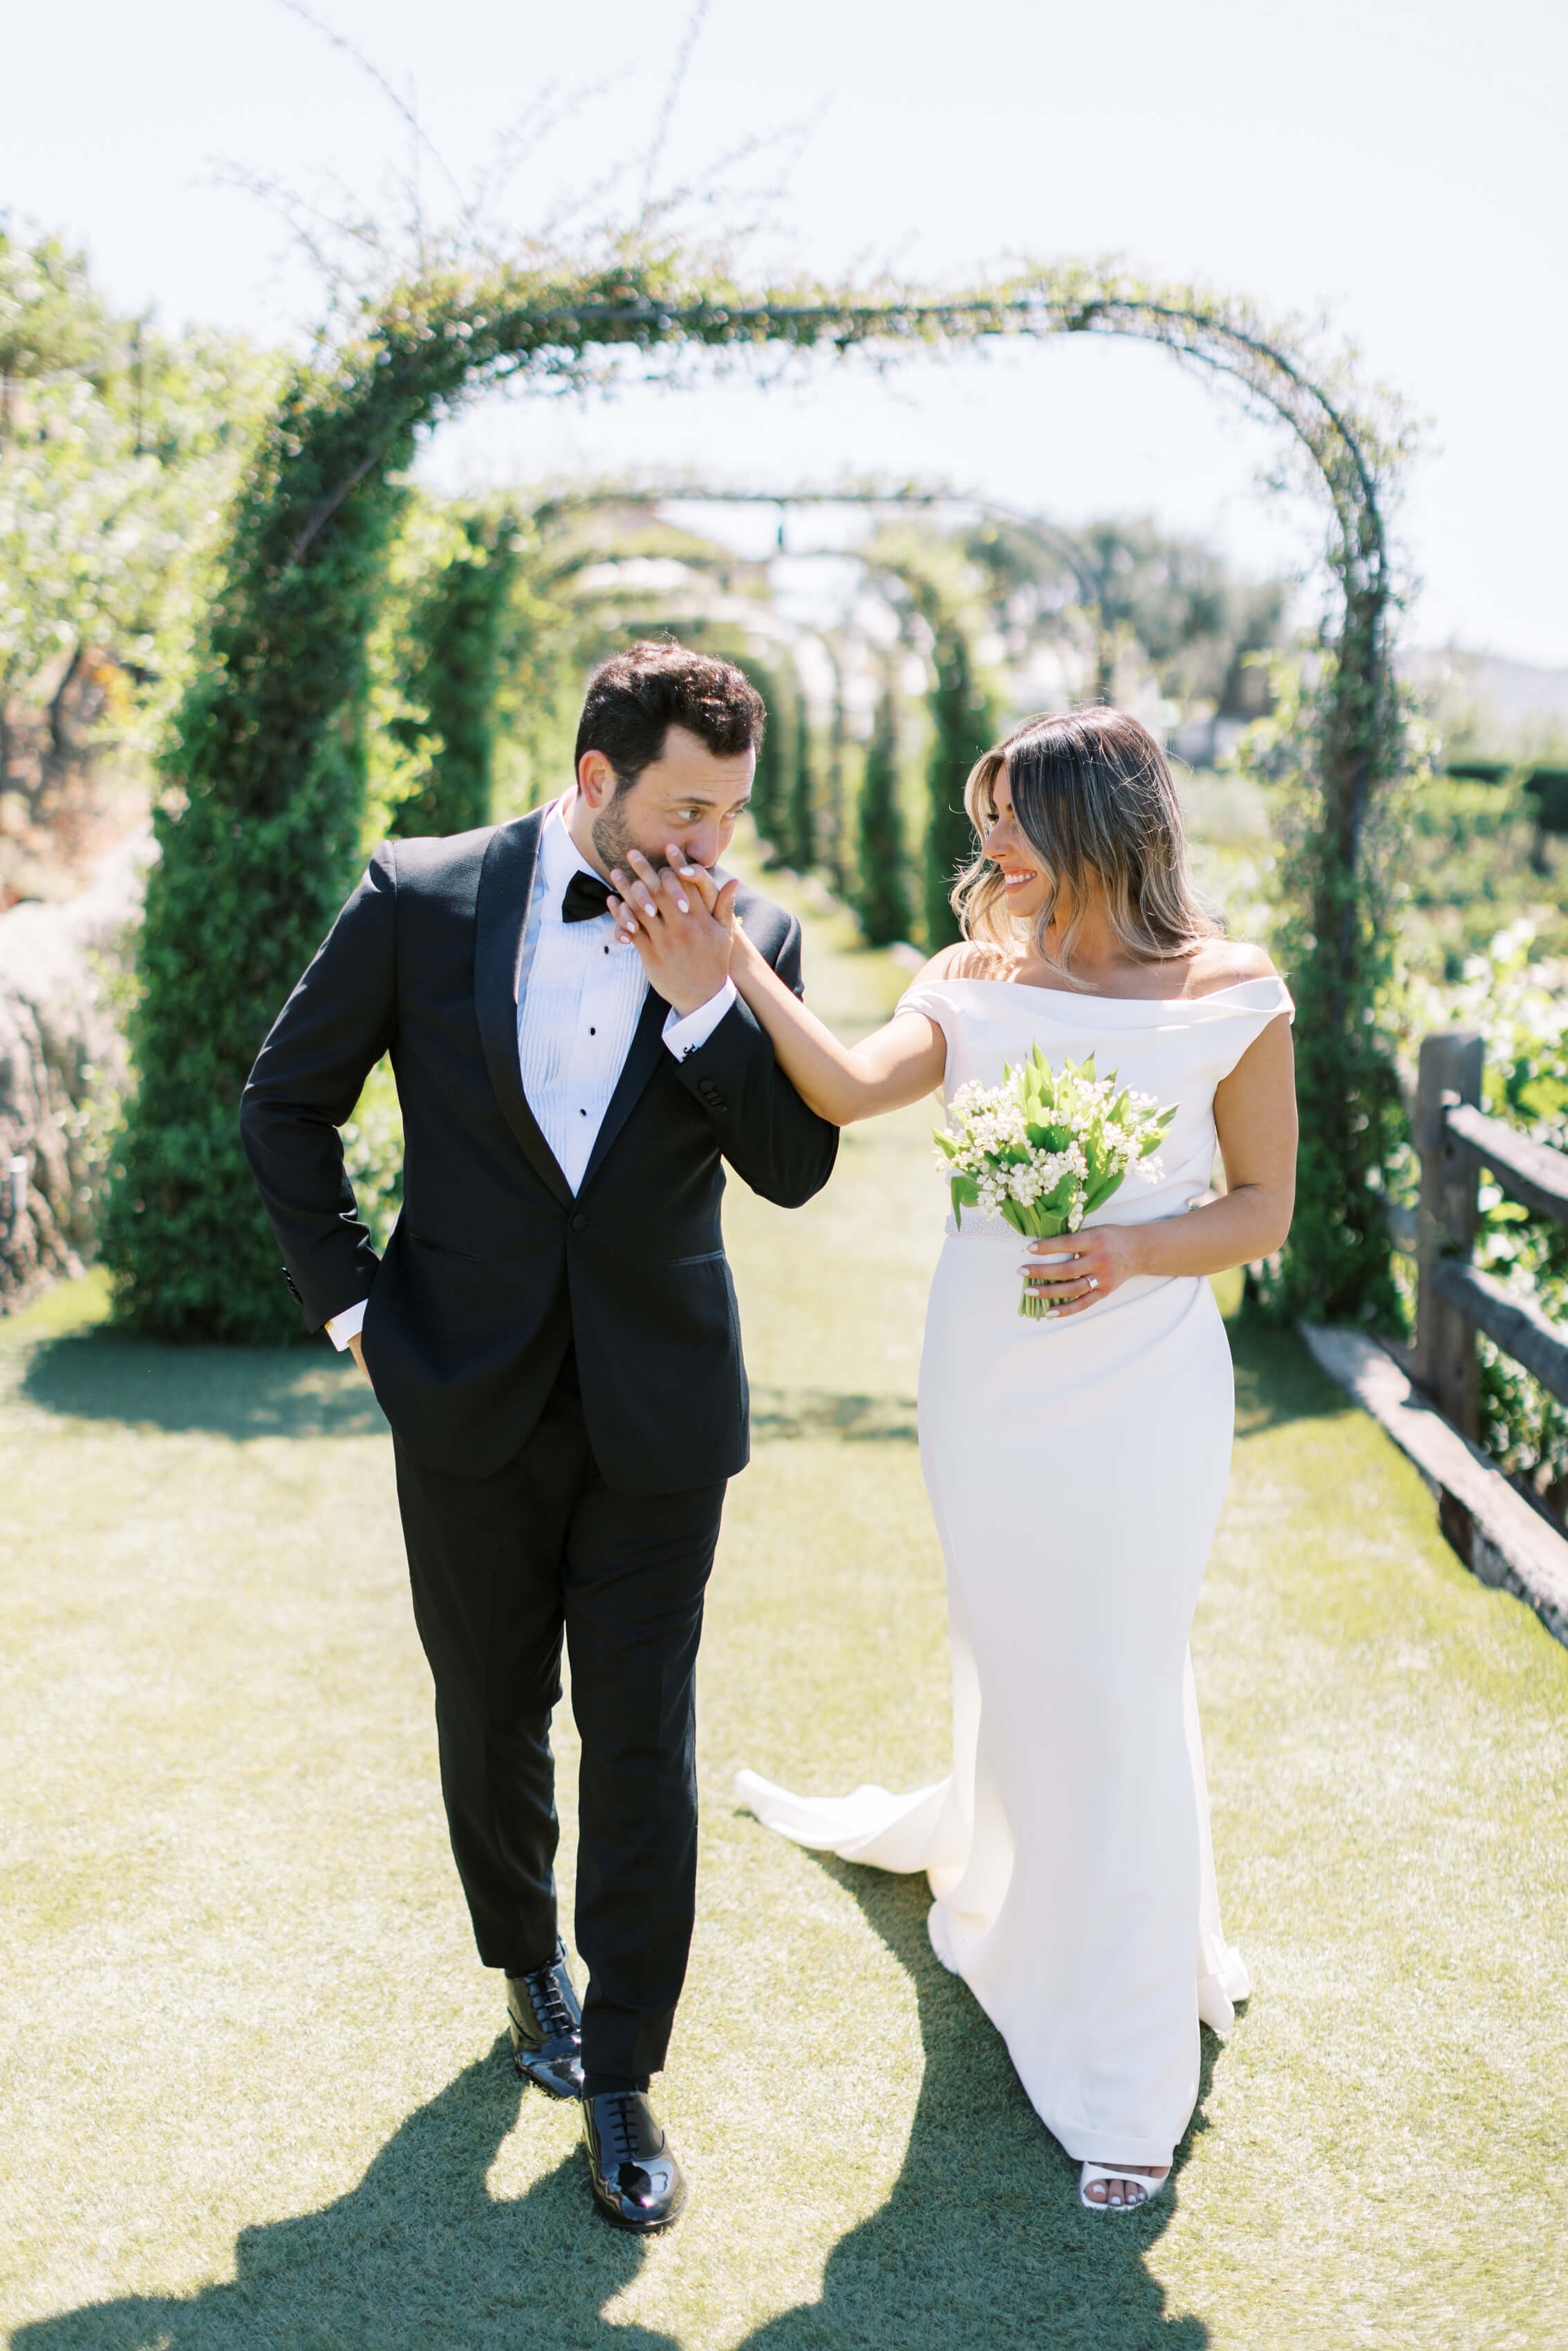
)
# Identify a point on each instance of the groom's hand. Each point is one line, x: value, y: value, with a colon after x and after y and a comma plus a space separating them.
x: 678, y: 922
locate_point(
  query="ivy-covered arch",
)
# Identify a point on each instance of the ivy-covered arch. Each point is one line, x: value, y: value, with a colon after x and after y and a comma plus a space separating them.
x: 267, y: 762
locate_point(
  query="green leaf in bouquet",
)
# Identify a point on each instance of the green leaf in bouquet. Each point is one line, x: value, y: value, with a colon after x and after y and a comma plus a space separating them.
x: 1151, y: 1143
x: 1116, y: 1114
x: 1086, y: 1068
x: 965, y: 1195
x: 1020, y: 1218
x: 1099, y: 1193
x: 946, y: 1140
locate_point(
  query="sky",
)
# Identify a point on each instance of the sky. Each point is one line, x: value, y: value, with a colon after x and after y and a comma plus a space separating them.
x: 1397, y: 170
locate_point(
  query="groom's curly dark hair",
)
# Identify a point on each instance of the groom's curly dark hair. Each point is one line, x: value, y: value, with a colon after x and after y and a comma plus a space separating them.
x: 637, y: 696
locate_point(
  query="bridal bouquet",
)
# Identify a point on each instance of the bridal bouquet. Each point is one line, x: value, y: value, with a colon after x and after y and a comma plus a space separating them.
x: 1046, y: 1148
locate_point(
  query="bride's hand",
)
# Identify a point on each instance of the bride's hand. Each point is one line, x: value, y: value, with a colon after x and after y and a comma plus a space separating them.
x: 704, y: 886
x: 707, y: 888
x: 1082, y: 1267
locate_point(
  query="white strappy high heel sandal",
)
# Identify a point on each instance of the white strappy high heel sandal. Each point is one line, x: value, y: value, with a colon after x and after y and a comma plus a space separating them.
x: 1093, y: 2173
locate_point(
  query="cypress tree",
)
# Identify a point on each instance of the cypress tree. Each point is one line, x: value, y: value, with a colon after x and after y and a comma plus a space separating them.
x: 769, y: 786
x: 800, y: 830
x: 257, y: 852
x: 964, y: 723
x: 460, y: 638
x: 882, y: 898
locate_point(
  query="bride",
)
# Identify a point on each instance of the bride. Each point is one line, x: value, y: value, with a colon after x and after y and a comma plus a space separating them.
x: 1076, y: 1464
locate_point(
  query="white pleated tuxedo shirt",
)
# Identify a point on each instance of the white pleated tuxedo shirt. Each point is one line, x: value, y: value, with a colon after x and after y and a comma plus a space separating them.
x: 579, y: 997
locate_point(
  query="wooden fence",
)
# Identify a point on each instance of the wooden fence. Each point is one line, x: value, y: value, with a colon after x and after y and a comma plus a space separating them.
x: 1428, y: 1395
x: 1455, y: 1140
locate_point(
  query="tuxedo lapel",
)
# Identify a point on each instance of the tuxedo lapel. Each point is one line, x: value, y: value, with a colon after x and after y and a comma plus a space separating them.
x: 641, y: 1061
x: 505, y: 885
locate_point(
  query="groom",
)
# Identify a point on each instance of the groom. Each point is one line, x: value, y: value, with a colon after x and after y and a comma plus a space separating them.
x: 552, y: 1332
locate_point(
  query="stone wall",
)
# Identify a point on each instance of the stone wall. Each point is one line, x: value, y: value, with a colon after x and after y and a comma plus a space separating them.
x: 62, y: 1066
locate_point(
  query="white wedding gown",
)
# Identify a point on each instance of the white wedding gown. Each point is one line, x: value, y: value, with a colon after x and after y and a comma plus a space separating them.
x: 1076, y: 1470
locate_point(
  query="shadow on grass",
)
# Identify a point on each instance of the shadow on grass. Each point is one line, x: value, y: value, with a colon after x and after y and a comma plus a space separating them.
x: 786, y: 1413
x: 419, y: 2254
x: 239, y: 1392
x: 1276, y: 1379
x: 982, y: 2245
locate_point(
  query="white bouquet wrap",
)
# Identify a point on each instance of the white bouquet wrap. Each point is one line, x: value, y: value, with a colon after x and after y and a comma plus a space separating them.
x: 1047, y: 1147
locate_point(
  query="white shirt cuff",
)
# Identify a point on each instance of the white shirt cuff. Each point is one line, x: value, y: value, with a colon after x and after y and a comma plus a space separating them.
x: 684, y: 1034
x: 342, y: 1328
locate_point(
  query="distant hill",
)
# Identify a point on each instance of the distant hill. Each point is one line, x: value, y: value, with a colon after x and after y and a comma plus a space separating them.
x: 1487, y: 706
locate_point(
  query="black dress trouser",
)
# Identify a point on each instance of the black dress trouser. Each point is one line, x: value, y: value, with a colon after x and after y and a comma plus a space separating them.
x: 501, y: 1566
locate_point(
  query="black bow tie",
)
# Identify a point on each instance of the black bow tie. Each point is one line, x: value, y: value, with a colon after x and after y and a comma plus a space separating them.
x: 585, y: 898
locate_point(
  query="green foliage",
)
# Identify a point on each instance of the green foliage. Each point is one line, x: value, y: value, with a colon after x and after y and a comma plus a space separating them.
x: 1475, y: 868
x: 53, y: 320
x: 1173, y: 602
x: 268, y: 769
x: 120, y: 452
x: 270, y: 754
x: 882, y: 900
x: 373, y: 1152
x: 937, y: 593
x: 770, y: 787
x: 1337, y: 941
x: 964, y: 721
x: 800, y: 842
x: 1519, y: 1004
x: 460, y: 630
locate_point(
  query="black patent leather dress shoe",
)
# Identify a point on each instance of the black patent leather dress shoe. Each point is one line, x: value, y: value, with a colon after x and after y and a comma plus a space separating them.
x: 638, y: 2182
x: 546, y: 2017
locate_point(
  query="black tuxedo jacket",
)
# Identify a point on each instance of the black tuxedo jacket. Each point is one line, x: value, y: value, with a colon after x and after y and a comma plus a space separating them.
x: 494, y: 1267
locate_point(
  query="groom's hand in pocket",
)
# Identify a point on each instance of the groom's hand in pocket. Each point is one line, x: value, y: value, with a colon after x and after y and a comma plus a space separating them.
x: 680, y: 923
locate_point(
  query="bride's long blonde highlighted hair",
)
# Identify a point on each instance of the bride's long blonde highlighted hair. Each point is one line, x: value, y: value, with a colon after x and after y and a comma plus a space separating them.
x: 1091, y: 794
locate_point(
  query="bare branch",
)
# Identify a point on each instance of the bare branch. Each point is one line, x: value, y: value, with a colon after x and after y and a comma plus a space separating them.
x: 400, y: 106
x: 672, y: 93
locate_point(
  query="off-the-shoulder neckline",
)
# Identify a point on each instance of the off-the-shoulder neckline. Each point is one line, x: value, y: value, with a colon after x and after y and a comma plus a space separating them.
x: 1087, y: 996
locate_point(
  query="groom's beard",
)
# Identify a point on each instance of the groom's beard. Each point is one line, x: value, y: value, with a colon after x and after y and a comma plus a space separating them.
x: 613, y: 840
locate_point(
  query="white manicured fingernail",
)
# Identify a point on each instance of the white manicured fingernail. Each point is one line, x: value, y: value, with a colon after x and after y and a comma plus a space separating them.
x: 683, y: 905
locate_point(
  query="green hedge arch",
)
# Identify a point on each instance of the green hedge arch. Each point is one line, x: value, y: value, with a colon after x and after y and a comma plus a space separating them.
x: 266, y: 769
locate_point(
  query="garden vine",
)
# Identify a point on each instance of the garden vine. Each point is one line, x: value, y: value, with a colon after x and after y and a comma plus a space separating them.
x: 267, y: 765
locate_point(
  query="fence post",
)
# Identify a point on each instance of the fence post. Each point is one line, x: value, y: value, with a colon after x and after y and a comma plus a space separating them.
x: 1445, y: 1362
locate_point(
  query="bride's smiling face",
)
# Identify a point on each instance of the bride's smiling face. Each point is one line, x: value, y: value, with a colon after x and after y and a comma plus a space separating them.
x: 1009, y: 850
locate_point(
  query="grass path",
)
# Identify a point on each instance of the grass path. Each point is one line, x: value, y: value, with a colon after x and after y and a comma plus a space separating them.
x: 253, y: 2094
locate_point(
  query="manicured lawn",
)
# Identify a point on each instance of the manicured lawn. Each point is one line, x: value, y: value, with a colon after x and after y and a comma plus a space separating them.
x: 254, y: 2092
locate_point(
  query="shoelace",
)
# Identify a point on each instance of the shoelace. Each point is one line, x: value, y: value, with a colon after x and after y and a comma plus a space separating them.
x: 620, y: 2103
x: 556, y: 2020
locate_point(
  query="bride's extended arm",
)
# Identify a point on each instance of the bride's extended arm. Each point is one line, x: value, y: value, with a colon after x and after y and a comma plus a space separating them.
x: 893, y: 1065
